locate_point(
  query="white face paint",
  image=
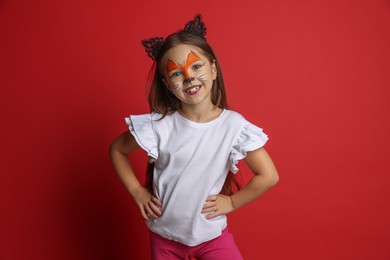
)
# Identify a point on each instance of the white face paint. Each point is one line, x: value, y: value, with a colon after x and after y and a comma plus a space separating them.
x: 189, y: 75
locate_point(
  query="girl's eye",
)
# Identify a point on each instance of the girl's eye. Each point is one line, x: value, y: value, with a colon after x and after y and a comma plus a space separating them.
x: 175, y: 74
x: 196, y: 66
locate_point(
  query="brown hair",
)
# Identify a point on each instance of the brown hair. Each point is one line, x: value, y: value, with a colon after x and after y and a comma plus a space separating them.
x: 162, y: 101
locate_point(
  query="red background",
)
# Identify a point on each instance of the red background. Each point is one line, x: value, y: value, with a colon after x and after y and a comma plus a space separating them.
x: 313, y: 74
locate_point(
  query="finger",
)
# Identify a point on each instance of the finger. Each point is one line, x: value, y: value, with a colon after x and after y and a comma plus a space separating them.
x: 155, y: 209
x: 211, y: 198
x: 213, y: 215
x: 156, y: 201
x: 143, y: 213
x: 213, y: 209
x: 209, y: 205
x: 150, y: 211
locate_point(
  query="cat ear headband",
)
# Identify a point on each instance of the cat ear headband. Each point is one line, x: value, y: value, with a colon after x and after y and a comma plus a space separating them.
x: 195, y: 27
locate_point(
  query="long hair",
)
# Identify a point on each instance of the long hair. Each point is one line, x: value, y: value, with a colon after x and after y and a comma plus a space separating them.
x: 162, y: 101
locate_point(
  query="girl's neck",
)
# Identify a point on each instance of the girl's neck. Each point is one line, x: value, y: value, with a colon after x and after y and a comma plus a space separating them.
x: 200, y: 114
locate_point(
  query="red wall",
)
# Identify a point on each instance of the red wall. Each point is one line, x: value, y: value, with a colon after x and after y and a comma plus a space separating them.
x: 314, y: 74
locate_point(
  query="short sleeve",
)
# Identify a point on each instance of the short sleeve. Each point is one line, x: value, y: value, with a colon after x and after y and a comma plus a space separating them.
x: 141, y: 127
x: 249, y: 139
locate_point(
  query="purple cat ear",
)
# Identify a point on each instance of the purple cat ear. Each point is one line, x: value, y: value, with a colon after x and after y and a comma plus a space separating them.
x: 153, y: 46
x: 196, y: 27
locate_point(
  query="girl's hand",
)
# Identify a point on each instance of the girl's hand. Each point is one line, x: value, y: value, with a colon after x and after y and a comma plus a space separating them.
x: 218, y: 205
x: 149, y: 205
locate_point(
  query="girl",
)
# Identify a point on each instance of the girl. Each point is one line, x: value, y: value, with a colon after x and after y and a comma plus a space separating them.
x: 194, y: 143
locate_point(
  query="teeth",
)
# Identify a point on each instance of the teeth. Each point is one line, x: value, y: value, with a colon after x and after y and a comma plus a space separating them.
x: 192, y: 90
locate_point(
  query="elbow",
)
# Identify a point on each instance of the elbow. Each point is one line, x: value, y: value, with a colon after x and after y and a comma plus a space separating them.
x: 274, y: 178
x: 112, y: 149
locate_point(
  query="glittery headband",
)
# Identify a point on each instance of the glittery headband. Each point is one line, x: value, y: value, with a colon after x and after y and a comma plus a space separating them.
x: 195, y: 27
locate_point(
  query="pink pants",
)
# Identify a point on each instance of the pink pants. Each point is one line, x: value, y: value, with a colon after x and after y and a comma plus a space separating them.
x: 222, y: 247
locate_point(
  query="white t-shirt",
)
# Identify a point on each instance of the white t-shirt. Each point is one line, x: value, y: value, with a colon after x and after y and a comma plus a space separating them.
x: 191, y: 162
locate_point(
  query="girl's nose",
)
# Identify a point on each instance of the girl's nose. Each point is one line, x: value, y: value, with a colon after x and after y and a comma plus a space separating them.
x: 187, y: 73
x: 188, y: 80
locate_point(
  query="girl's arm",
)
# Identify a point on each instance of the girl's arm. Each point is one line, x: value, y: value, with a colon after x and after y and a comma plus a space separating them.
x: 266, y: 176
x: 119, y: 154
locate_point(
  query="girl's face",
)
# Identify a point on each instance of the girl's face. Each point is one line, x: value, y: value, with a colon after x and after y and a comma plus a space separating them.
x: 189, y: 75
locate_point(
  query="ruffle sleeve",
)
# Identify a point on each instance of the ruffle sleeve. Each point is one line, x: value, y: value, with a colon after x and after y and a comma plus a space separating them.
x: 141, y: 127
x: 249, y: 139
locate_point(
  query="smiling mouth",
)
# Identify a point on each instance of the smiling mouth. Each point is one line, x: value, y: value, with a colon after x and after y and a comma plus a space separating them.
x: 192, y: 90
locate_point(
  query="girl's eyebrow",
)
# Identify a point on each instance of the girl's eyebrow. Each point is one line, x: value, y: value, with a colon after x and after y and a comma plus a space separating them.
x: 191, y: 58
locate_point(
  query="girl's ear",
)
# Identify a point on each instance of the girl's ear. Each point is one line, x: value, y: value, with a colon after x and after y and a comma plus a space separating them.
x: 214, y: 70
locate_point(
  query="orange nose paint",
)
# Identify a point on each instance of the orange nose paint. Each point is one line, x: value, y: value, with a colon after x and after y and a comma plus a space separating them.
x: 191, y: 58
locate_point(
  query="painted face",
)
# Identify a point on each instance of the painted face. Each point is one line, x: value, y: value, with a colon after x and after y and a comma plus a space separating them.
x: 171, y: 66
x: 188, y: 73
